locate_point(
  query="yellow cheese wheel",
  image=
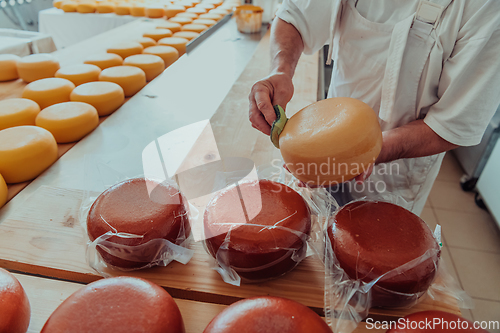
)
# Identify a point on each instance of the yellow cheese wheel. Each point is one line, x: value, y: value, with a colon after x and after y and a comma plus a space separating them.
x: 197, y: 10
x: 206, y: 5
x: 219, y: 11
x: 8, y: 67
x: 169, y: 54
x: 188, y: 15
x: 105, y: 7
x: 104, y: 60
x: 177, y: 42
x: 4, y: 191
x: 86, y: 7
x: 68, y: 122
x: 131, y: 79
x: 47, y: 92
x: 210, y: 16
x: 122, y: 9
x: 189, y: 35
x: 181, y: 20
x: 172, y: 26
x: 17, y: 112
x: 125, y: 49
x: 157, y: 34
x: 186, y: 4
x: 57, y: 4
x: 331, y: 141
x: 146, y: 42
x: 199, y: 28
x: 207, y: 22
x: 155, y: 11
x: 106, y: 97
x: 69, y: 6
x: 25, y: 152
x: 37, y: 66
x: 172, y: 10
x: 79, y: 74
x: 151, y: 64
x: 138, y: 10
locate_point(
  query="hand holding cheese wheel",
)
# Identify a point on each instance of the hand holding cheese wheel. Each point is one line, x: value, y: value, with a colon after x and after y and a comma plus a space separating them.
x: 37, y: 66
x: 131, y: 79
x: 47, y: 92
x: 267, y: 314
x: 79, y: 74
x: 125, y: 49
x: 17, y: 112
x: 151, y: 64
x: 117, y: 305
x: 8, y: 67
x: 106, y: 97
x: 331, y: 141
x: 15, y: 311
x: 105, y: 60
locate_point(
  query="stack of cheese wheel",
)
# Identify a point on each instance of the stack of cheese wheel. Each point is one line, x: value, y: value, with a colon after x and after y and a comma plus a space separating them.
x: 151, y: 64
x: 79, y: 74
x: 15, y: 307
x: 8, y: 67
x: 233, y: 226
x: 169, y: 54
x: 104, y: 60
x: 106, y: 97
x: 371, y: 239
x: 118, y: 304
x: 176, y: 42
x: 47, y: 92
x: 131, y: 79
x: 37, y: 66
x: 17, y: 112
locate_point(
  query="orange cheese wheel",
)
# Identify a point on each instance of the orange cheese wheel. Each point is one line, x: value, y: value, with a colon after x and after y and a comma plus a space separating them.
x: 86, y: 7
x: 37, y: 66
x: 177, y: 42
x: 122, y: 9
x: 146, y: 42
x: 172, y: 10
x: 125, y: 49
x: 79, y: 74
x: 25, y: 152
x: 155, y: 11
x: 104, y: 60
x: 17, y: 112
x: 188, y: 15
x: 8, y: 67
x: 15, y: 306
x: 69, y: 6
x: 172, y: 26
x: 68, y: 122
x: 207, y: 22
x: 169, y: 54
x: 197, y: 10
x: 198, y: 28
x: 105, y: 7
x: 189, y: 35
x: 151, y: 64
x: 181, y: 20
x: 57, y: 4
x: 331, y: 141
x: 157, y: 34
x: 46, y: 92
x: 138, y: 10
x: 210, y: 16
x: 131, y: 79
x: 4, y: 191
x: 106, y: 97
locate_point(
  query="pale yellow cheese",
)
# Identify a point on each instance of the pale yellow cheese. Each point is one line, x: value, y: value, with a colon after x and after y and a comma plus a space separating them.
x: 106, y: 97
x: 122, y: 9
x: 69, y: 6
x: 172, y: 26
x: 198, y: 28
x: 68, y: 122
x: 207, y: 22
x: 172, y: 10
x: 17, y: 112
x: 104, y: 60
x: 125, y: 49
x: 25, y: 152
x: 177, y: 42
x: 4, y: 191
x: 138, y: 10
x: 131, y: 79
x: 189, y: 35
x: 181, y: 20
x: 105, y: 7
x: 37, y: 66
x: 79, y: 74
x: 47, y: 92
x: 86, y: 7
x: 8, y: 67
x: 169, y: 54
x: 151, y: 64
x: 188, y: 15
x: 210, y: 16
x: 155, y: 11
x: 146, y: 42
x: 157, y: 34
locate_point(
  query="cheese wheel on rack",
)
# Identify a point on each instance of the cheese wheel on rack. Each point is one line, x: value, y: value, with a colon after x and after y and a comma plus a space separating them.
x: 177, y: 42
x: 207, y: 22
x: 37, y: 66
x: 47, y: 92
x: 155, y: 11
x: 105, y: 7
x: 105, y: 60
x: 198, y: 28
x: 86, y: 7
x: 197, y: 10
x: 172, y: 10
x: 14, y: 306
x: 131, y: 79
x: 8, y: 67
x: 151, y: 64
x: 125, y: 49
x: 157, y: 34
x: 169, y: 54
x: 180, y: 20
x: 146, y: 42
x: 210, y: 16
x: 172, y: 26
x: 4, y: 191
x: 193, y: 16
x: 138, y: 10
x: 68, y: 122
x: 189, y: 35
x: 25, y: 152
x: 17, y: 112
x: 79, y: 74
x: 122, y: 9
x: 106, y: 97
x: 69, y: 6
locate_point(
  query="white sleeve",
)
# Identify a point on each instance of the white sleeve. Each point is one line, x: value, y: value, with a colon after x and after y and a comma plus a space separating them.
x: 312, y: 18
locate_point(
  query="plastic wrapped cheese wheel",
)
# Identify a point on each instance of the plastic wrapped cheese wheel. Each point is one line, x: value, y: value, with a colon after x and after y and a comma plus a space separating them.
x: 125, y: 49
x: 172, y: 10
x: 169, y: 54
x: 17, y: 112
x: 15, y: 308
x: 189, y: 35
x: 172, y: 26
x: 155, y: 11
x: 176, y: 42
x: 157, y: 34
x: 25, y: 152
x: 37, y: 66
x: 47, y: 92
x: 122, y: 9
x: 117, y: 305
x: 151, y: 64
x: 339, y: 137
x: 267, y: 314
x: 68, y: 122
x: 79, y: 74
x: 103, y: 7
x: 242, y: 232
x: 4, y: 193
x: 138, y: 10
x: 106, y: 97
x: 146, y: 42
x: 104, y: 60
x: 181, y: 20
x: 131, y: 79
x: 86, y: 7
x: 437, y: 322
x: 199, y: 28
x: 144, y: 208
x: 8, y: 67
x: 370, y: 239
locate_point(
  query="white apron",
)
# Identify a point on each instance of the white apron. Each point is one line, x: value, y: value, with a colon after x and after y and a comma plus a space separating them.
x: 356, y: 74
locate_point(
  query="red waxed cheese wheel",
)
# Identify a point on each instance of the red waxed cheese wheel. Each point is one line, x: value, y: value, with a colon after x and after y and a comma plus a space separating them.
x: 267, y: 315
x: 117, y: 305
x: 370, y: 239
x: 127, y: 207
x: 440, y: 321
x: 246, y: 239
x: 15, y: 308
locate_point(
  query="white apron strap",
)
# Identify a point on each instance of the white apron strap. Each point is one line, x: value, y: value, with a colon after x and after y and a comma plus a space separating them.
x: 335, y: 22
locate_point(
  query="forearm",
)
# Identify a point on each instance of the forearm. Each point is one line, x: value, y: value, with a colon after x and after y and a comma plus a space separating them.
x: 286, y: 47
x: 414, y: 139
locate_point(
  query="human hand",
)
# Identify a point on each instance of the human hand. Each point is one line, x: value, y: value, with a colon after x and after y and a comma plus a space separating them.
x: 276, y: 89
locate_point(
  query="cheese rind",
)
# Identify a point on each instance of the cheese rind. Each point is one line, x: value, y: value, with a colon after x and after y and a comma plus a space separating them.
x: 86, y: 7
x: 69, y: 6
x: 137, y: 10
x: 105, y: 60
x: 68, y: 122
x: 172, y: 10
x: 47, y: 92
x: 79, y: 74
x: 169, y: 54
x: 37, y: 66
x: 125, y: 49
x: 17, y: 112
x: 25, y: 152
x: 106, y: 97
x: 4, y: 191
x: 122, y: 9
x: 158, y: 34
x: 8, y: 67
x: 155, y: 11
x: 105, y: 7
x: 131, y: 79
x: 146, y: 42
x: 177, y: 42
x: 151, y: 64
